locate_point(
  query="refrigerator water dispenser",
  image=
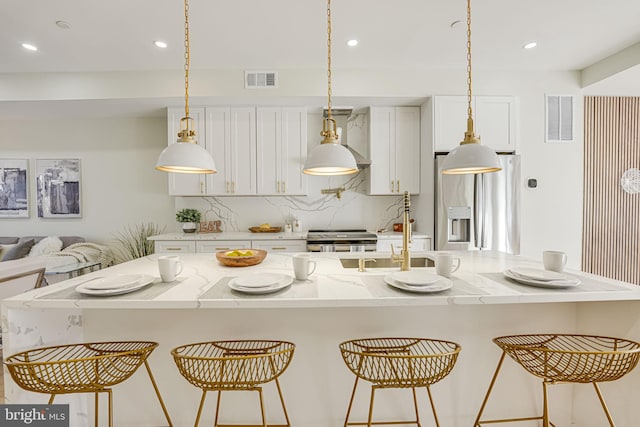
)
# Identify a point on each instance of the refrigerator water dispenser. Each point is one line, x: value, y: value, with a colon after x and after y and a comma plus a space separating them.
x: 459, y: 224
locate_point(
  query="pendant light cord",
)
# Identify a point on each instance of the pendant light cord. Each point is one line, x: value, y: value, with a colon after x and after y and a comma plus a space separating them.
x: 329, y: 58
x: 469, y: 58
x: 187, y: 58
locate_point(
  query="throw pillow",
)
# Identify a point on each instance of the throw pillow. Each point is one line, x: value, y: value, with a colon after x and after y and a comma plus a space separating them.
x: 20, y: 250
x: 4, y: 249
x: 46, y: 246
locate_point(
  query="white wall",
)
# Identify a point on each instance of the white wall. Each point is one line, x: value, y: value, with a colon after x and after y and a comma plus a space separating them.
x: 119, y: 185
x: 552, y: 214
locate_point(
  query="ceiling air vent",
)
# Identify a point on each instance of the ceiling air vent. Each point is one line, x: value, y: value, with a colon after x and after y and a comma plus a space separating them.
x: 559, y: 118
x: 260, y: 79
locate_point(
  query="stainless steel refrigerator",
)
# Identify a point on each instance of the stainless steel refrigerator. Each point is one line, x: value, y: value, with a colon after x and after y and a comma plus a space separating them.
x: 479, y: 211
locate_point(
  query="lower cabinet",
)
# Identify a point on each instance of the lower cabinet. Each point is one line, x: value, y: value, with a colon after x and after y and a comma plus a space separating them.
x: 174, y: 246
x: 280, y: 245
x: 417, y: 245
x: 212, y: 246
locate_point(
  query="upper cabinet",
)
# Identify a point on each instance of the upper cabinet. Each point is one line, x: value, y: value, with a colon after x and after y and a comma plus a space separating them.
x: 394, y: 138
x: 256, y: 151
x: 494, y: 117
x: 186, y: 184
x: 281, y: 150
x: 231, y: 140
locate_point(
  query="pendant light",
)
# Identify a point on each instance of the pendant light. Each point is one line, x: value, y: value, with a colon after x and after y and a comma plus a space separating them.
x: 330, y: 157
x: 471, y: 157
x: 186, y: 156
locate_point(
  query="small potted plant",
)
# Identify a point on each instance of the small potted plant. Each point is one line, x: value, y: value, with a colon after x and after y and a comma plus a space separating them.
x: 189, y: 218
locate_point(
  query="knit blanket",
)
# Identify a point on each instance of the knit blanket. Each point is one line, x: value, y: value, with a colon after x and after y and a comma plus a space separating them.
x: 88, y: 252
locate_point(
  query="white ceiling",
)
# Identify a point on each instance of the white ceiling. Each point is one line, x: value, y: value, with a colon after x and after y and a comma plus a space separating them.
x: 117, y: 35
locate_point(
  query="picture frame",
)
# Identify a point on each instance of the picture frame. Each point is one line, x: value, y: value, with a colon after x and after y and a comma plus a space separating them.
x: 58, y: 187
x: 14, y: 188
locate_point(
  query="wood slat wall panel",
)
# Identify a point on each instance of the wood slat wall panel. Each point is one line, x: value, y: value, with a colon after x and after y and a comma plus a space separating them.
x: 611, y: 216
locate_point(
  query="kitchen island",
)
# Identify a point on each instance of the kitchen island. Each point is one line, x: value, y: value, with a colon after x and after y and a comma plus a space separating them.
x: 336, y: 304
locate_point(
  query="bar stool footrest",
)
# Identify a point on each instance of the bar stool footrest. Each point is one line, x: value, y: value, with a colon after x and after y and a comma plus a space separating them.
x: 511, y: 420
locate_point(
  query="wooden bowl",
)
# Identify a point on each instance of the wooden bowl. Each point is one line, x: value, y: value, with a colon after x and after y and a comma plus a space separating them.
x: 258, y: 255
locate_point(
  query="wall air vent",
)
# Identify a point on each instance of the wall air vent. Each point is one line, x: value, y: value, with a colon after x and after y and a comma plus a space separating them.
x: 260, y: 79
x: 559, y: 118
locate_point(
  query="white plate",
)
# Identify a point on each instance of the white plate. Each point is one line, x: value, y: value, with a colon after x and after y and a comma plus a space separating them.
x: 143, y: 281
x: 283, y: 282
x: 569, y: 282
x: 113, y: 282
x: 416, y: 277
x: 441, y: 285
x: 537, y: 274
x: 260, y: 280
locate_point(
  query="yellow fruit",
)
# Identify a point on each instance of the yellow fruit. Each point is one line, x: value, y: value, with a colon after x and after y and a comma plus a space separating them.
x: 265, y: 225
x: 237, y: 253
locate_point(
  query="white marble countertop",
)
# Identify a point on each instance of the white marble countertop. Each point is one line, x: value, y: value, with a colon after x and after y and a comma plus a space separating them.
x: 203, y: 284
x: 398, y: 235
x: 230, y: 235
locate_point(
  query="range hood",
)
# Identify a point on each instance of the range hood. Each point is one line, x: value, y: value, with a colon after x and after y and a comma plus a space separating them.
x: 346, y: 112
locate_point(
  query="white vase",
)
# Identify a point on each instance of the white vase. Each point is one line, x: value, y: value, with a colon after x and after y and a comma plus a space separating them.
x: 188, y: 227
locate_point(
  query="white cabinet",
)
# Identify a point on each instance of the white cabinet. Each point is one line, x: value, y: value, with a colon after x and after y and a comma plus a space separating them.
x: 280, y: 245
x: 418, y: 244
x: 281, y: 150
x: 174, y: 246
x: 394, y: 146
x: 494, y: 120
x: 212, y: 246
x: 186, y: 184
x: 231, y: 140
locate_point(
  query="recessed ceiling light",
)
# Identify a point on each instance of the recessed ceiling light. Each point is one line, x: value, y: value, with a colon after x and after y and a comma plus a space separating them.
x: 352, y: 43
x: 63, y: 25
x: 160, y: 44
x: 29, y: 46
x: 530, y: 45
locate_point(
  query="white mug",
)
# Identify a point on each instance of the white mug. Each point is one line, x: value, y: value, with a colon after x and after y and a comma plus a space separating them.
x: 554, y: 260
x: 445, y: 264
x: 169, y: 266
x: 302, y: 266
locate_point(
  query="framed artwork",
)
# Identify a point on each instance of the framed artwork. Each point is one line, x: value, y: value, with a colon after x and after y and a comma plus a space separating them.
x: 58, y: 187
x: 14, y: 188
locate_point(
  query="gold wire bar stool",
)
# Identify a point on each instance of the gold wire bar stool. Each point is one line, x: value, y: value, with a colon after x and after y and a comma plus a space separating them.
x: 241, y: 365
x: 398, y: 363
x: 558, y: 358
x: 82, y: 368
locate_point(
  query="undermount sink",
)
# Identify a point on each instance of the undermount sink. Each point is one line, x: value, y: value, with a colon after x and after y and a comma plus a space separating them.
x: 386, y: 262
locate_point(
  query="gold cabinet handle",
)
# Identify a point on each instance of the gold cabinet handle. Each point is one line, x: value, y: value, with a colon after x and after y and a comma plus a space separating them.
x: 284, y: 186
x: 278, y: 248
x: 392, y: 183
x: 278, y: 187
x: 201, y: 187
x: 222, y: 249
x: 397, y: 186
x: 227, y: 186
x: 233, y: 187
x: 172, y: 249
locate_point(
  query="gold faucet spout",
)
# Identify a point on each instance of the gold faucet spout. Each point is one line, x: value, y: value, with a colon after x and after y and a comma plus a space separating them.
x: 405, y: 256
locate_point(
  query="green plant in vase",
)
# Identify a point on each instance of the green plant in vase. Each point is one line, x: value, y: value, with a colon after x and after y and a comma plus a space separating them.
x: 189, y: 219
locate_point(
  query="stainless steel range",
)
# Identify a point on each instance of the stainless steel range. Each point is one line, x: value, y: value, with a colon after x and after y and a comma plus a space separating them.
x: 341, y: 241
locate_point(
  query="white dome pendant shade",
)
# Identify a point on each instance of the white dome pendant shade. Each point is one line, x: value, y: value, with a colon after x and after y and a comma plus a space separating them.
x: 330, y: 157
x: 186, y: 156
x: 470, y: 157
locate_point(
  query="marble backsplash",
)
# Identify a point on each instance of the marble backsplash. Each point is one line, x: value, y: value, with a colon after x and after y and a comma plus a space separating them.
x: 354, y: 209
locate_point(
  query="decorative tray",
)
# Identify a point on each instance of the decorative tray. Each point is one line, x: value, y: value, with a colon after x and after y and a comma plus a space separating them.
x: 241, y: 257
x: 265, y: 230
